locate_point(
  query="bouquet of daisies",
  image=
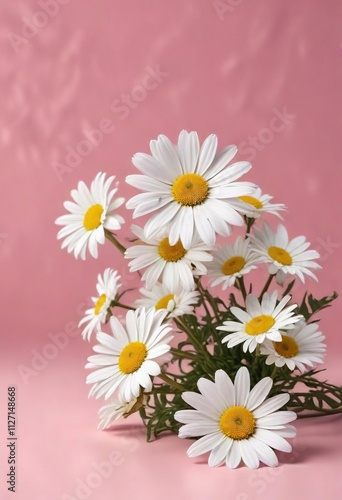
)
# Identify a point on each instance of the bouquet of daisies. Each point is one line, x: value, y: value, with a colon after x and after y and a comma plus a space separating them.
x: 219, y: 366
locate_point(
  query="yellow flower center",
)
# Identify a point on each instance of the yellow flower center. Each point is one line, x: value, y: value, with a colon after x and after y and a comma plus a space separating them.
x: 163, y: 302
x: 237, y: 423
x: 132, y: 357
x: 99, y: 303
x: 171, y: 253
x: 287, y: 348
x: 280, y: 255
x: 233, y: 265
x: 92, y: 218
x: 251, y: 201
x: 259, y: 324
x: 190, y: 189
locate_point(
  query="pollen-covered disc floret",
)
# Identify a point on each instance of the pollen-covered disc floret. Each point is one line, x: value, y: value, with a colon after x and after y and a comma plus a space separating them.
x: 90, y: 213
x: 284, y: 256
x: 235, y: 423
x: 176, y: 301
x: 260, y: 321
x: 256, y: 204
x: 299, y: 347
x: 172, y: 264
x: 129, y: 357
x: 107, y: 288
x: 189, y: 188
x: 231, y: 262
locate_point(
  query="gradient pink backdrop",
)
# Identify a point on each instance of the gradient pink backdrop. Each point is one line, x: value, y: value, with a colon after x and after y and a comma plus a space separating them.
x: 228, y: 71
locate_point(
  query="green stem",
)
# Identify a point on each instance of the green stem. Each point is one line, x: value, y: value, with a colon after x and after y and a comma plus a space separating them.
x: 115, y: 242
x: 123, y: 306
x: 171, y: 382
x: 183, y: 354
x: 249, y: 223
x: 267, y: 284
x: 274, y: 373
x: 242, y: 288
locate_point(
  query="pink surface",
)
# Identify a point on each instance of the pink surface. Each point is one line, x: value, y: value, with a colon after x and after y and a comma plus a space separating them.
x: 134, y: 70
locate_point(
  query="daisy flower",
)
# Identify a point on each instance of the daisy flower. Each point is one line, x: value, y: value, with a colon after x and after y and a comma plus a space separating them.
x: 260, y: 321
x: 231, y: 262
x: 113, y: 411
x: 107, y: 288
x: 256, y: 204
x: 173, y: 264
x: 299, y: 347
x: 236, y: 423
x: 129, y: 357
x: 91, y: 212
x: 189, y: 187
x: 285, y: 257
x: 176, y: 301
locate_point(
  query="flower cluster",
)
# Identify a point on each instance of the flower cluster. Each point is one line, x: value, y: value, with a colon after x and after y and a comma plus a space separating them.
x: 193, y: 197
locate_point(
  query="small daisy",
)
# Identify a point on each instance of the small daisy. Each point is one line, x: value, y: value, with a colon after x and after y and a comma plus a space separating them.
x: 129, y: 357
x: 113, y: 411
x: 172, y: 264
x: 285, y: 257
x: 107, y: 288
x: 256, y: 204
x: 91, y: 213
x: 231, y: 262
x: 299, y: 347
x: 176, y: 301
x: 189, y: 187
x: 260, y: 321
x: 236, y: 423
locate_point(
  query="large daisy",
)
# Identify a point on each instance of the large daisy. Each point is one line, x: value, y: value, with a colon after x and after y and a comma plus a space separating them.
x: 231, y: 262
x: 189, y: 187
x: 299, y: 347
x: 128, y: 358
x: 107, y: 288
x: 91, y: 212
x: 256, y: 204
x: 176, y: 301
x: 236, y: 423
x: 260, y: 321
x: 285, y: 257
x: 172, y: 264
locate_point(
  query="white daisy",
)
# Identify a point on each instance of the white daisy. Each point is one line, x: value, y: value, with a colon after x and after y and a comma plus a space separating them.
x: 176, y: 301
x: 91, y: 213
x: 172, y: 264
x: 285, y: 257
x: 107, y: 288
x: 113, y: 411
x: 301, y: 346
x: 231, y: 262
x: 256, y: 204
x: 189, y: 187
x: 236, y: 423
x: 260, y: 321
x: 129, y: 357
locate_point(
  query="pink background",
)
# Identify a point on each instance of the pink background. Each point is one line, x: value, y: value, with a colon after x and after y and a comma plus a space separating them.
x: 229, y: 72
